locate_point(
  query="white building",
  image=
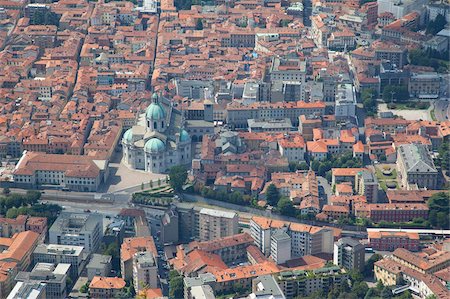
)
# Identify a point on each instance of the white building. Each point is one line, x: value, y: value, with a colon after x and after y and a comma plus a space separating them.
x: 159, y: 141
x: 400, y: 8
x: 29, y: 290
x: 345, y: 105
x: 280, y: 247
x: 145, y: 271
x: 54, y: 253
x: 305, y: 239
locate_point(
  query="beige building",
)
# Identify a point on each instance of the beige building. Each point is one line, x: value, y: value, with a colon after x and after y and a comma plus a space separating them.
x: 215, y: 224
x: 305, y: 239
x: 425, y: 85
x: 145, y: 271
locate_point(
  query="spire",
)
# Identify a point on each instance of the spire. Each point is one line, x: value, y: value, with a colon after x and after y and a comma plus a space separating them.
x: 155, y: 98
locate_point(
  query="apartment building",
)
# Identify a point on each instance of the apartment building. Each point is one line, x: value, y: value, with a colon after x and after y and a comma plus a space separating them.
x: 299, y: 283
x: 230, y: 249
x: 280, y: 246
x: 390, y: 273
x: 129, y: 248
x: 66, y: 254
x: 9, y: 227
x: 305, y: 239
x: 366, y: 184
x: 99, y: 265
x: 389, y: 241
x: 145, y: 271
x: 106, y: 287
x: 349, y: 253
x: 215, y: 224
x: 80, y: 229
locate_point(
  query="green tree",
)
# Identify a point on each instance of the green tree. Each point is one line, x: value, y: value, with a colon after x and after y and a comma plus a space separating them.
x: 183, y: 4
x: 178, y: 176
x: 199, y: 25
x: 285, y: 207
x: 6, y: 191
x: 436, y: 25
x: 272, y: 195
x: 368, y: 267
x: 176, y: 287
x: 439, y: 206
x: 386, y: 293
x: 360, y: 289
x: 395, y: 93
x: 84, y: 288
x: 12, y: 213
x: 369, y: 102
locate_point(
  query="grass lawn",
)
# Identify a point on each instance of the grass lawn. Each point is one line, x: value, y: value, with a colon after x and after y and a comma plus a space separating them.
x: 382, y: 177
x: 433, y: 116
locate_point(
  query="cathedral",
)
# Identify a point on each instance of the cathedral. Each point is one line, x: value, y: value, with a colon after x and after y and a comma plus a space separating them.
x: 159, y: 140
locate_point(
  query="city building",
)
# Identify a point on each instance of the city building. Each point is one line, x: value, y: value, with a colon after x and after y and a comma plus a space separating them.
x: 349, y: 253
x: 416, y: 167
x: 54, y: 276
x: 66, y: 254
x: 389, y: 241
x: 9, y: 227
x: 145, y: 271
x: 423, y: 262
x: 214, y: 224
x: 366, y: 184
x: 266, y: 287
x: 390, y: 273
x: 129, y: 248
x: 280, y: 246
x: 305, y: 239
x: 231, y: 249
x: 170, y: 227
x: 159, y: 141
x: 79, y: 173
x: 35, y: 290
x: 400, y: 8
x: 80, y: 229
x: 396, y: 212
x: 345, y: 103
x: 238, y: 114
x: 424, y: 85
x: 99, y: 265
x: 299, y: 283
x: 106, y: 287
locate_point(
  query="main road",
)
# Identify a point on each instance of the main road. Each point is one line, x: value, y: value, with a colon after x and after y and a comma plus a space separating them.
x: 442, y: 109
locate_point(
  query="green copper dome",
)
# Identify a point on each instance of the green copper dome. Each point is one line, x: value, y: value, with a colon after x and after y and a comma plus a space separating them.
x: 128, y: 136
x: 155, y: 112
x: 184, y: 136
x: 154, y: 145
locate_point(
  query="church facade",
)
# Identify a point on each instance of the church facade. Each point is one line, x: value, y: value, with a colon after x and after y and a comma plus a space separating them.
x: 159, y: 140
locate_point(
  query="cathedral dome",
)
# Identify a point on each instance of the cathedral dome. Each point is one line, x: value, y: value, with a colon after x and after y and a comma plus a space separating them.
x: 128, y: 136
x: 184, y: 136
x: 155, y: 112
x: 154, y: 145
